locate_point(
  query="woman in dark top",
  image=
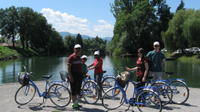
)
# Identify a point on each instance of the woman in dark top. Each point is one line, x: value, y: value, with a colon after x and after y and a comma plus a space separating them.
x: 141, y: 68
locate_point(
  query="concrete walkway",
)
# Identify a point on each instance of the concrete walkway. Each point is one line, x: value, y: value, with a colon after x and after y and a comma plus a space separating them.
x: 7, y: 103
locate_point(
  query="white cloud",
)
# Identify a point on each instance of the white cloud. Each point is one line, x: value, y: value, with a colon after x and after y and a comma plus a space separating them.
x: 103, y: 28
x: 66, y: 22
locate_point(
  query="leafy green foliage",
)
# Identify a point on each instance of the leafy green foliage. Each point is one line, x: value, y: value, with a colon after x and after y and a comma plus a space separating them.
x: 88, y: 45
x: 31, y: 28
x: 138, y: 24
x: 183, y: 30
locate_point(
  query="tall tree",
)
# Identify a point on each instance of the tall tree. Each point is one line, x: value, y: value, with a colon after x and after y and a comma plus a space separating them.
x: 9, y: 24
x: 138, y: 24
x: 79, y: 39
x: 183, y: 30
x: 26, y: 19
x: 181, y: 6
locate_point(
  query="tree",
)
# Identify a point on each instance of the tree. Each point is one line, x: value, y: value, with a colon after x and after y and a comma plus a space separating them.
x: 9, y: 24
x: 26, y: 22
x: 183, y: 30
x: 138, y: 24
x: 69, y: 42
x: 79, y: 40
x: 181, y: 6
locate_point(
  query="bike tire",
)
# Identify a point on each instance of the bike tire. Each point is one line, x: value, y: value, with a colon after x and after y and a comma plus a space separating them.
x: 164, y: 91
x: 59, y: 95
x: 180, y: 91
x: 25, y: 92
x: 90, y: 92
x: 148, y: 101
x: 113, y: 98
x: 107, y: 83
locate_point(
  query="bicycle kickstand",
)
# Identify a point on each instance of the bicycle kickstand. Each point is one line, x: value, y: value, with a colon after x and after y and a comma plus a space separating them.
x: 43, y: 102
x: 129, y: 108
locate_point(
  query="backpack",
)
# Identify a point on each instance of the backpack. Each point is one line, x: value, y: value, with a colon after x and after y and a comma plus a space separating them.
x: 123, y: 78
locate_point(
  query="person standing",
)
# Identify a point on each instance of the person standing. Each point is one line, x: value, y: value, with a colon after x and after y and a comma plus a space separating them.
x: 98, y: 71
x: 75, y: 75
x: 142, y: 68
x: 156, y: 59
x: 84, y: 66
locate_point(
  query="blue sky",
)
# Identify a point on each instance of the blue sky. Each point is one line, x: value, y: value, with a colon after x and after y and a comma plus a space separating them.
x: 90, y: 17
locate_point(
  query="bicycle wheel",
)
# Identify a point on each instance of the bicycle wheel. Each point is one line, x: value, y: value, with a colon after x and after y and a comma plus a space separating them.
x: 180, y: 92
x: 90, y: 92
x: 59, y: 95
x: 107, y: 83
x: 113, y: 98
x: 164, y: 91
x: 25, y: 94
x: 148, y: 101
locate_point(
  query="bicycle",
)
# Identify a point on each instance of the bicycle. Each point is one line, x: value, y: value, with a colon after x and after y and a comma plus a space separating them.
x: 179, y: 88
x: 161, y: 88
x: 144, y: 98
x: 89, y: 88
x: 55, y: 91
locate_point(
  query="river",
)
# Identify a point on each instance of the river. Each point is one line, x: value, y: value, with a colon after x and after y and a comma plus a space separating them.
x: 113, y: 65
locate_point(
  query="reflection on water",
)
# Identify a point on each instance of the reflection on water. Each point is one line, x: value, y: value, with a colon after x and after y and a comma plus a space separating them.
x: 113, y: 65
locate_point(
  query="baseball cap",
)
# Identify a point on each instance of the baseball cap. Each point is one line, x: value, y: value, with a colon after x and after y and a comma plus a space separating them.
x: 77, y: 46
x: 84, y: 57
x: 96, y: 53
x: 156, y: 43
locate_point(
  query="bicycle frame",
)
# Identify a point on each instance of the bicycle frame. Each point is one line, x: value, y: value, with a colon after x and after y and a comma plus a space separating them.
x: 135, y: 91
x: 47, y: 84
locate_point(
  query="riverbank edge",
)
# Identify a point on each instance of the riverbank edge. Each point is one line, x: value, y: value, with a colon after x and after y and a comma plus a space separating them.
x: 10, y: 53
x: 183, y: 58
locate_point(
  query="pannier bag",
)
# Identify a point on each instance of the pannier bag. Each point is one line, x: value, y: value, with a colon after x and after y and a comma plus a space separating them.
x: 23, y: 78
x: 123, y: 78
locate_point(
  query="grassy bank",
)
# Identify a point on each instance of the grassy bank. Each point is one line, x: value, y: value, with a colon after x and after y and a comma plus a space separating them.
x: 7, y: 53
x: 189, y: 59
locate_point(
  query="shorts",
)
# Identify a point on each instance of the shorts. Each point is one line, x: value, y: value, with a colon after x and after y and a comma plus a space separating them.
x: 156, y: 75
x: 76, y: 84
x: 141, y: 84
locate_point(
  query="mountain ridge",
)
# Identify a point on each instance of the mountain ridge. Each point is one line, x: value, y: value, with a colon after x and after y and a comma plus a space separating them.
x: 64, y: 34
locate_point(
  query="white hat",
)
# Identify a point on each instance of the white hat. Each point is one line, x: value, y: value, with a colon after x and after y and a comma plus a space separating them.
x: 96, y: 53
x: 77, y: 46
x: 156, y: 43
x: 84, y: 57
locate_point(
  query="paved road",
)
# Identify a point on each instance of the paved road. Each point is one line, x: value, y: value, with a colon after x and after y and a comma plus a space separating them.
x: 7, y: 103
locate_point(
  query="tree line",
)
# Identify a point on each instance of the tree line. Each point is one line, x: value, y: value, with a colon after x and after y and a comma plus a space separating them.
x: 29, y: 28
x: 183, y: 31
x: 141, y: 22
x: 89, y: 45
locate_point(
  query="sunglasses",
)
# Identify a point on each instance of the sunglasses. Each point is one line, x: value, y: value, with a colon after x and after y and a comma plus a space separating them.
x: 157, y: 46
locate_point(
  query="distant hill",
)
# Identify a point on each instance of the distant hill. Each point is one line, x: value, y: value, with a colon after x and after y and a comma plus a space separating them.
x: 64, y: 34
x: 107, y: 38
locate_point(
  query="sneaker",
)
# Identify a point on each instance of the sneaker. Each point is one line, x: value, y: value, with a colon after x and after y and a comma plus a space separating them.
x: 75, y: 106
x: 79, y: 106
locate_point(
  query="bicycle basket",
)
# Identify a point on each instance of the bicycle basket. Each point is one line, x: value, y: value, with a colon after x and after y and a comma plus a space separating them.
x: 121, y: 82
x: 122, y: 78
x: 23, y: 79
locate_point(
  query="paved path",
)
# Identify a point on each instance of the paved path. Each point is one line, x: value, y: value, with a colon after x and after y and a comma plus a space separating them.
x: 7, y: 103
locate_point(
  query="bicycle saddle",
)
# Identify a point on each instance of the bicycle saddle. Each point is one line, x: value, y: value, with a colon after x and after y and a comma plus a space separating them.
x: 47, y: 76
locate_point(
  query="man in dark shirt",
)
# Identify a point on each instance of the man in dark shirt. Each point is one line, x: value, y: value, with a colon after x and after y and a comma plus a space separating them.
x: 156, y: 59
x: 74, y: 63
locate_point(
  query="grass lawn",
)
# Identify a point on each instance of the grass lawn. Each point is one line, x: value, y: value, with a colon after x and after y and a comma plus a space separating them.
x: 7, y: 52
